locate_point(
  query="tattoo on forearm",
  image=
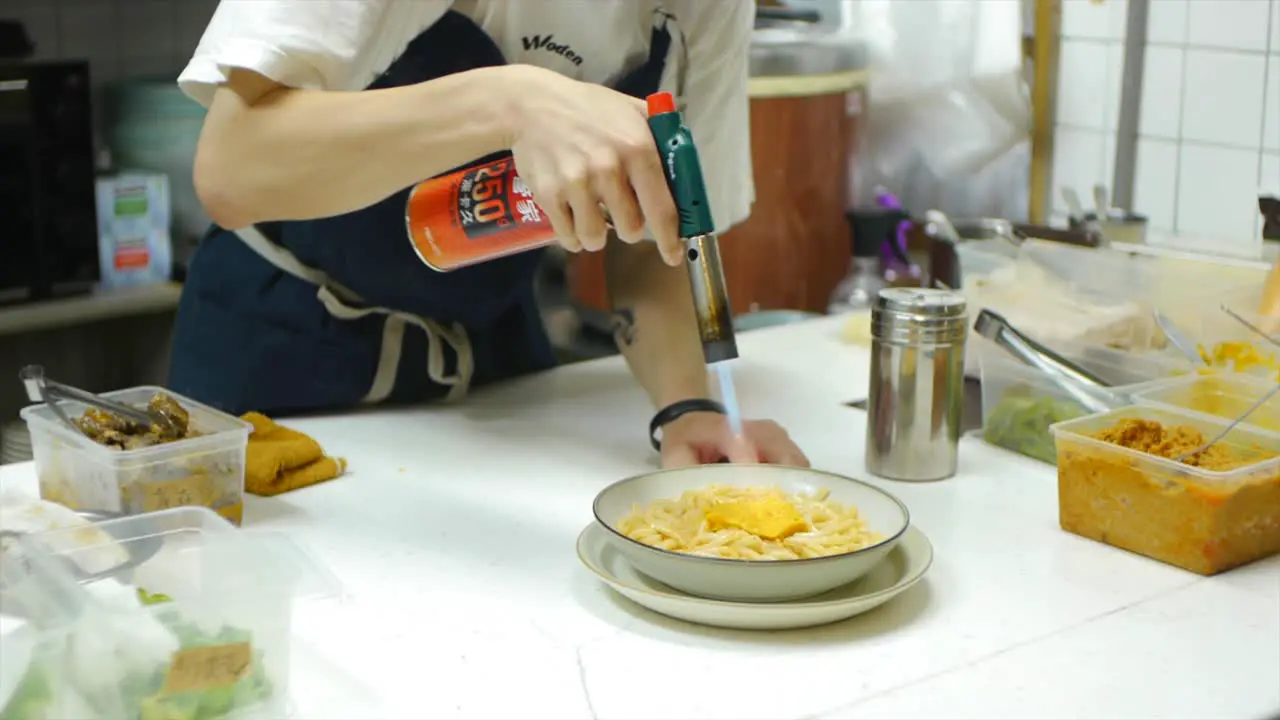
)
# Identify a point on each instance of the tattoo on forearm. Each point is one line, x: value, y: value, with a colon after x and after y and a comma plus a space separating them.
x: 623, y: 323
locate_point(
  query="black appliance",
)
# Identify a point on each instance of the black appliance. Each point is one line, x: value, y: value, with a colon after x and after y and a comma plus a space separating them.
x: 48, y: 217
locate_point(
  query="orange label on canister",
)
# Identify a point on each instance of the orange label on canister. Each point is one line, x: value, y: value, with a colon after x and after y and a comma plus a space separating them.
x: 478, y: 213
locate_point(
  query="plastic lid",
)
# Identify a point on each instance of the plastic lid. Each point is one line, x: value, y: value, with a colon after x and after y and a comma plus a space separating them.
x: 661, y: 103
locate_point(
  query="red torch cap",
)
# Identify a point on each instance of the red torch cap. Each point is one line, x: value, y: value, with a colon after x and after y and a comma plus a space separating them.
x: 660, y: 103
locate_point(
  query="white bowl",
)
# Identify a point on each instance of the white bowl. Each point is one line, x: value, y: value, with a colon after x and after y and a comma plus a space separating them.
x: 751, y: 580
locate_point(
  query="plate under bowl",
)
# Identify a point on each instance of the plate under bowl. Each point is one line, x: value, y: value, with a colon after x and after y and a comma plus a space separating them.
x: 751, y: 580
x: 901, y: 569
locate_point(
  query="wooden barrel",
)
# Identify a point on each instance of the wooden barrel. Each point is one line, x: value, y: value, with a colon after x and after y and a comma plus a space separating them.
x: 794, y: 249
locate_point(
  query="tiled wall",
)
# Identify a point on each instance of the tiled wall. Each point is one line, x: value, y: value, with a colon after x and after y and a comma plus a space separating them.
x: 1209, y: 137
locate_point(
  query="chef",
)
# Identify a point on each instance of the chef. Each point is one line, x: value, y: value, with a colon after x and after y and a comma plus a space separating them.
x: 307, y: 294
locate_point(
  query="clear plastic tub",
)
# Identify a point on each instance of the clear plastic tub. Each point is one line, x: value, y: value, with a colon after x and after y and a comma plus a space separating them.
x: 978, y: 258
x: 1218, y: 396
x: 1042, y: 291
x: 206, y: 471
x: 199, y: 616
x: 1200, y: 519
x: 1229, y: 344
x: 1104, y: 277
x: 1153, y: 277
x: 43, y: 615
x: 1020, y: 403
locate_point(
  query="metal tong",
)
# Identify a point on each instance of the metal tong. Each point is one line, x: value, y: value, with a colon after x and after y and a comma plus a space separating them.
x: 42, y: 389
x: 1083, y: 386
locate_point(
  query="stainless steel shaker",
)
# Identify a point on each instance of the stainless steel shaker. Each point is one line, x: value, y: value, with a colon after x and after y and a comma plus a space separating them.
x: 917, y: 383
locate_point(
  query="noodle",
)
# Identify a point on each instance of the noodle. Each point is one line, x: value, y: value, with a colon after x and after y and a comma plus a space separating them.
x: 681, y: 525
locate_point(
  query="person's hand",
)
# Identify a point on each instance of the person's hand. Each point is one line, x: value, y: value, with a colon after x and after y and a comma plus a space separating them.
x: 582, y: 147
x: 705, y: 437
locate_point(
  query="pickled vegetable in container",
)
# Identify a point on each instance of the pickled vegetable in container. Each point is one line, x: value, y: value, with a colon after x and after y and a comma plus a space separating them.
x: 1020, y: 403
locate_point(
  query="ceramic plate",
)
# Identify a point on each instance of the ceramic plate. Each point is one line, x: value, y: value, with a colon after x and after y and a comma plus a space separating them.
x: 902, y: 568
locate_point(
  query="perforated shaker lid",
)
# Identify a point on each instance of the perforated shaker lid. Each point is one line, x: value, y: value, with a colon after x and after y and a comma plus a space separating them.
x: 921, y: 301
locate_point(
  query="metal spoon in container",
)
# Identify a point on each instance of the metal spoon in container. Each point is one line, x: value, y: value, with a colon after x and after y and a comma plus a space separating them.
x: 1083, y: 386
x: 1178, y: 339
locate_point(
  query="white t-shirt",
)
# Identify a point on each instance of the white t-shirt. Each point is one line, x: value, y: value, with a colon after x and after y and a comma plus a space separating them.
x: 346, y: 44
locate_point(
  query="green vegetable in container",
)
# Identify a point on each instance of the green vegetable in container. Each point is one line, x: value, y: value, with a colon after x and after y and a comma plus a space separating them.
x: 246, y: 692
x: 149, y: 598
x: 1021, y: 420
x: 32, y: 698
x: 146, y: 689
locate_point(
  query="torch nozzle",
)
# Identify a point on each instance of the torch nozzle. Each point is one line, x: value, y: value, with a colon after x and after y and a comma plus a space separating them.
x: 710, y: 298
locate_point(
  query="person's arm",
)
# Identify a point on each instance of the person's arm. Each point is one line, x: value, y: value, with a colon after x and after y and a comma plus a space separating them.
x: 654, y: 324
x: 268, y: 152
x: 653, y: 317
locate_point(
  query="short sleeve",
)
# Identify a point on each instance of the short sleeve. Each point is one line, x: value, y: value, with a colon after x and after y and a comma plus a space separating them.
x: 307, y: 44
x: 717, y: 110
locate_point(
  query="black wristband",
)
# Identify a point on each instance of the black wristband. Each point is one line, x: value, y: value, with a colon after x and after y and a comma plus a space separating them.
x: 677, y: 410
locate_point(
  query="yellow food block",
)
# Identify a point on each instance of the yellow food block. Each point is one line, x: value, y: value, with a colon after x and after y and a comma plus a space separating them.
x: 768, y: 518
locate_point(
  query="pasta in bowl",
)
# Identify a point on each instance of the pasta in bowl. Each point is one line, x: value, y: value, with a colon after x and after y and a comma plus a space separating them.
x: 751, y: 533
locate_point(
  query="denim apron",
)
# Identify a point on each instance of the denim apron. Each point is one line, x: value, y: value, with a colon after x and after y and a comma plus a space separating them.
x: 333, y: 313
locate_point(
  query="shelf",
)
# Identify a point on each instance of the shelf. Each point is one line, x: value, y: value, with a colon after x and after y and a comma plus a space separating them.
x: 92, y: 307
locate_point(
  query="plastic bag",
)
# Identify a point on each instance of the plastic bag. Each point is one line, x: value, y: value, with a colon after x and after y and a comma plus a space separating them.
x: 950, y: 117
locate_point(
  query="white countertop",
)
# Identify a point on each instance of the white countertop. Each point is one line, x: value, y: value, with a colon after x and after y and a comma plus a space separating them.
x: 454, y: 532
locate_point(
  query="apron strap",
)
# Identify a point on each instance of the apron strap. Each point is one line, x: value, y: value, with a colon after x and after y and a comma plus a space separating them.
x: 338, y: 301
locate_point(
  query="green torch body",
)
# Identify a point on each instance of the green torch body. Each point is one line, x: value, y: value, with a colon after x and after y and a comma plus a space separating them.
x: 697, y: 228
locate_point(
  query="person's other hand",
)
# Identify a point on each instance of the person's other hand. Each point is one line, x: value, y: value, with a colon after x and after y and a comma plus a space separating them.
x: 582, y: 147
x: 703, y: 438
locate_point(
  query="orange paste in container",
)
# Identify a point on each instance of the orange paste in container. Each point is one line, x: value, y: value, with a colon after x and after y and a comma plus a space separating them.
x: 1209, y: 513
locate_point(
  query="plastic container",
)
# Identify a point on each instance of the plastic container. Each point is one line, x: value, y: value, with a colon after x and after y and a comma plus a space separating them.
x: 44, y: 616
x: 1044, y: 295
x: 1197, y: 519
x: 978, y: 258
x: 1218, y: 396
x: 1187, y: 289
x: 1020, y: 403
x: 199, y: 619
x: 1228, y: 343
x: 204, y: 471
